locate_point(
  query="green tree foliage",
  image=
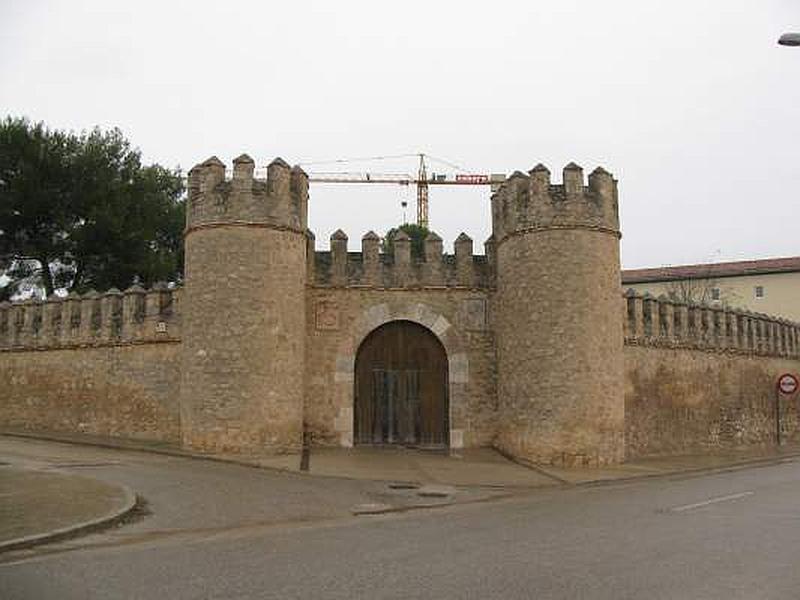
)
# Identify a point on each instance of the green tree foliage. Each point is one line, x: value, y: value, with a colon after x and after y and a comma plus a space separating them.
x: 417, y: 234
x: 81, y: 211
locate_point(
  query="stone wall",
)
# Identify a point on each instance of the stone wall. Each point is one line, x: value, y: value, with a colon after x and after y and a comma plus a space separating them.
x: 696, y: 378
x: 244, y: 319
x: 353, y: 293
x: 559, y: 335
x: 338, y: 267
x: 545, y: 360
x: 340, y: 318
x: 681, y: 400
x: 699, y: 378
x: 243, y: 352
x: 100, y: 364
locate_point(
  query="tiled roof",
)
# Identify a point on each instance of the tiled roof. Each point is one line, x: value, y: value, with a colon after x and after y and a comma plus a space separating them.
x: 710, y: 270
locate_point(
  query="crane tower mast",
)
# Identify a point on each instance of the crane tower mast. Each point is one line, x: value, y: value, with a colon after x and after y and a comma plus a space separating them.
x: 422, y: 194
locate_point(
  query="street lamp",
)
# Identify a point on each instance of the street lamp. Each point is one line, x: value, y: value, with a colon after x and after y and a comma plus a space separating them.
x: 789, y: 39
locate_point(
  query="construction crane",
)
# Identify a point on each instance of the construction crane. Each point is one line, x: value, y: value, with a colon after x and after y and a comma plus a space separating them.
x: 422, y: 180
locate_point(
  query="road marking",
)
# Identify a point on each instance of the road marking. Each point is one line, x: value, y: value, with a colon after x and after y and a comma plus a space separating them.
x: 710, y: 501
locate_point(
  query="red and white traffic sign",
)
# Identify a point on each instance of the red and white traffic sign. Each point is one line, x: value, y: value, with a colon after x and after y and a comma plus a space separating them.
x: 787, y: 383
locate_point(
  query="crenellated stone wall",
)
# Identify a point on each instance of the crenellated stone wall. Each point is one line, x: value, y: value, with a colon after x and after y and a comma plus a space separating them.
x: 558, y: 327
x: 371, y: 268
x: 699, y: 378
x: 105, y: 364
x: 243, y: 354
x: 547, y: 360
x: 111, y: 318
x: 355, y: 292
x: 661, y: 322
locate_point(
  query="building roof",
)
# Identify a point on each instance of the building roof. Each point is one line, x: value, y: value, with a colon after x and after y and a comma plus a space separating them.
x: 712, y: 270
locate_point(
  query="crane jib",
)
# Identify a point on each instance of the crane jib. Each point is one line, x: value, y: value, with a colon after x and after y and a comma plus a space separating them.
x: 402, y: 180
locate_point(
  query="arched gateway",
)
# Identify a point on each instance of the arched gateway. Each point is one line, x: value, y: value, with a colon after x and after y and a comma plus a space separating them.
x: 401, y: 387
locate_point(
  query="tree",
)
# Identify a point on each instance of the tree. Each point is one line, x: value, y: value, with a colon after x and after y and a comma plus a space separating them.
x: 691, y: 291
x: 417, y: 233
x: 701, y: 289
x: 81, y: 211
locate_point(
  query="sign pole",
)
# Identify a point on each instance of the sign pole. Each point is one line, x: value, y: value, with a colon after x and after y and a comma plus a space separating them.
x: 787, y: 384
x: 778, y: 415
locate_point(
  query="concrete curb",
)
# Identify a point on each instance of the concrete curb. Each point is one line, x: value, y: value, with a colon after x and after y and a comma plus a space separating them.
x: 128, y: 446
x: 129, y: 503
x: 534, y: 467
x: 388, y: 509
x: 738, y: 465
x: 734, y: 465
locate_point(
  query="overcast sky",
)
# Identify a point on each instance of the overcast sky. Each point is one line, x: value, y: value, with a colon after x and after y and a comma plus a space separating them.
x: 690, y: 103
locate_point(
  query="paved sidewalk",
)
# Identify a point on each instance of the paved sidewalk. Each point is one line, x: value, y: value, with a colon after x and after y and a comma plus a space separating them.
x: 43, y: 490
x: 487, y: 467
x: 674, y: 465
x: 38, y: 505
x: 470, y: 468
x: 480, y: 467
x: 41, y: 495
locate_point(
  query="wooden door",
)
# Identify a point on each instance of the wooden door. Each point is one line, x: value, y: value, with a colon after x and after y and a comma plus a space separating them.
x: 401, y: 387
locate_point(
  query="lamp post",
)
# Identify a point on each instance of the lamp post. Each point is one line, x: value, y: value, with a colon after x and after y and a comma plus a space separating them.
x: 789, y: 39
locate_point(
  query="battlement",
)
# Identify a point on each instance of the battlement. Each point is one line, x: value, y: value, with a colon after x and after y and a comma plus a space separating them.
x: 279, y: 200
x: 530, y: 202
x: 664, y: 322
x: 371, y: 268
x: 133, y: 316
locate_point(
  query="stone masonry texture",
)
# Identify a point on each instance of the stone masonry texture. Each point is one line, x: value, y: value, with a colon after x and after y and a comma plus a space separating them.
x: 680, y: 401
x: 126, y: 391
x: 547, y: 359
x: 243, y: 348
x: 560, y: 342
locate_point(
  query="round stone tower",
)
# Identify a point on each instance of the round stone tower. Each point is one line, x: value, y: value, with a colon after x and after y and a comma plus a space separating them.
x: 558, y: 318
x: 243, y: 349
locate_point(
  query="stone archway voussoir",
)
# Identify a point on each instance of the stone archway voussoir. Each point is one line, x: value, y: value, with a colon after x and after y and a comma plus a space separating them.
x: 380, y: 314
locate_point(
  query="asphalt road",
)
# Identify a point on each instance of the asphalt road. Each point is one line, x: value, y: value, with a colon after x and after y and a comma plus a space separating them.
x: 727, y: 535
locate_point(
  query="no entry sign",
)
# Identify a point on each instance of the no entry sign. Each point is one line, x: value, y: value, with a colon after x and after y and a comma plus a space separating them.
x: 787, y: 383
